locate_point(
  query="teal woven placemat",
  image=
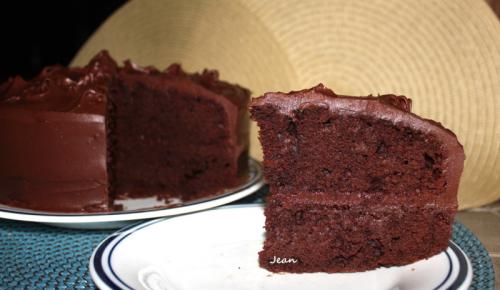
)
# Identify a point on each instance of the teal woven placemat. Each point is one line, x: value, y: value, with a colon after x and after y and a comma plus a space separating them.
x: 35, y: 256
x: 484, y: 275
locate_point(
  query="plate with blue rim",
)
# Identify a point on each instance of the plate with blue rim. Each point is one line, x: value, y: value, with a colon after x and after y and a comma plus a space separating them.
x: 217, y: 249
x: 133, y: 210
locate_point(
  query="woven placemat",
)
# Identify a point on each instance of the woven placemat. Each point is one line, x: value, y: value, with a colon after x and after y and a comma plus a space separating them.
x: 36, y: 256
x: 484, y: 275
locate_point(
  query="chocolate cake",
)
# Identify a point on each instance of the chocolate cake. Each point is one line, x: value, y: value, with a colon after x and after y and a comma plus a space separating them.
x: 73, y: 139
x: 356, y: 183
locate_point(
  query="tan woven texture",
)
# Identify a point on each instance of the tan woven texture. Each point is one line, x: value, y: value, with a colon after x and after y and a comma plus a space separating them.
x: 445, y: 55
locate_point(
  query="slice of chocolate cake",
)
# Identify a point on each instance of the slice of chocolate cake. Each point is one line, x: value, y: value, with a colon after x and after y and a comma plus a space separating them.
x: 356, y: 183
x: 72, y: 139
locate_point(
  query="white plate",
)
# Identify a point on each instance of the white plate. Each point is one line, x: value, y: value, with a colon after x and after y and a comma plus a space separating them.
x: 137, y: 209
x: 217, y: 249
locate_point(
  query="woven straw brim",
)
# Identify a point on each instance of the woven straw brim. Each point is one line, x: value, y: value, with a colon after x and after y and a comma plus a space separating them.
x: 445, y: 55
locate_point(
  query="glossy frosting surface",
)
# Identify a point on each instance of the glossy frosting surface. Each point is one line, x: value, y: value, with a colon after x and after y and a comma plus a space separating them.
x: 61, y: 89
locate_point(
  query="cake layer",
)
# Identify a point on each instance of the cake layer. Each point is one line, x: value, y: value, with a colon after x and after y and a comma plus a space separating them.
x: 174, y: 135
x: 53, y: 161
x: 315, y: 141
x: 303, y: 236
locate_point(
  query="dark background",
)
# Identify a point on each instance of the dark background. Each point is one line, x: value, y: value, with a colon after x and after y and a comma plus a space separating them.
x: 40, y: 33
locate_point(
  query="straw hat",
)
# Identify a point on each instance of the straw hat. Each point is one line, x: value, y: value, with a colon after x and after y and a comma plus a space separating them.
x: 445, y: 55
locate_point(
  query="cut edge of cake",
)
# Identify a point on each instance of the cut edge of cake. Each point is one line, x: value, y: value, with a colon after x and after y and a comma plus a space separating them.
x: 298, y: 218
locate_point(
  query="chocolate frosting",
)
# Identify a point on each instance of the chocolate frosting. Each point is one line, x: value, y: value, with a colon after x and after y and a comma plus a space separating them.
x: 84, y: 90
x: 208, y: 79
x: 61, y: 89
x: 53, y: 138
x: 389, y: 107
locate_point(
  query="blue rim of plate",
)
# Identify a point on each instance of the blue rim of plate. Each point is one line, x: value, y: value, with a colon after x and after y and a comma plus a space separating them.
x: 102, y: 279
x: 253, y: 184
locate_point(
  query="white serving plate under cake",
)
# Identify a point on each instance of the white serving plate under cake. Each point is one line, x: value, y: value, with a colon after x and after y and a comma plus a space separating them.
x: 138, y: 209
x: 217, y: 249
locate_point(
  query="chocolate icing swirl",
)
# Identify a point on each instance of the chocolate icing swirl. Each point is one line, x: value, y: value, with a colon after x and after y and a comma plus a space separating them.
x: 61, y: 89
x: 401, y: 102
